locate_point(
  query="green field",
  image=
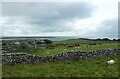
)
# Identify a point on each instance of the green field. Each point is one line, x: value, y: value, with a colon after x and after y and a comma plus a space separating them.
x: 83, y: 41
x: 0, y: 71
x: 82, y: 68
x: 43, y: 52
x: 73, y: 41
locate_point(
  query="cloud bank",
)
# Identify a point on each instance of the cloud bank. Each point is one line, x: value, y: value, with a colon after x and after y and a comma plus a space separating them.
x: 58, y: 19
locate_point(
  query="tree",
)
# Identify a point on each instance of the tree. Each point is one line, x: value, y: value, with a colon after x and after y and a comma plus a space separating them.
x: 46, y: 41
x: 114, y: 39
x: 48, y: 44
x: 106, y: 39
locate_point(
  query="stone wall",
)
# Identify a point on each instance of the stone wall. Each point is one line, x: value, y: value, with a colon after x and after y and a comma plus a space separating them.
x: 25, y: 58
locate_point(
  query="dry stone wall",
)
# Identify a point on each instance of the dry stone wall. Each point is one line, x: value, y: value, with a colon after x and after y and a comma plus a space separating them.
x: 26, y: 58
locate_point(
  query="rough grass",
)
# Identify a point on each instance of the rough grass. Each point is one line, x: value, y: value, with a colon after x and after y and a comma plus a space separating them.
x: 72, y: 41
x: 82, y: 41
x: 82, y: 68
x: 0, y: 70
x: 43, y: 52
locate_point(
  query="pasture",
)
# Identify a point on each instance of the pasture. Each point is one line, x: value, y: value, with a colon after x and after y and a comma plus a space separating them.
x: 43, y: 52
x: 46, y: 52
x: 82, y: 68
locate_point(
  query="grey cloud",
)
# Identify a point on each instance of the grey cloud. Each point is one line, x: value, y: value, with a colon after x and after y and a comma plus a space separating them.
x: 0, y: 9
x: 112, y: 25
x: 109, y: 28
x: 47, y: 17
x: 48, y: 10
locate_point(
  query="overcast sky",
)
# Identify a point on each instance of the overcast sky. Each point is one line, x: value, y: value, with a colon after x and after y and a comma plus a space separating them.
x: 98, y: 18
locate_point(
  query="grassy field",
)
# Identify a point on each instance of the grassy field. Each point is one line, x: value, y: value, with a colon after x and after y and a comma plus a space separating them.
x: 82, y: 68
x: 44, y: 52
x: 0, y: 70
x: 72, y: 41
x: 82, y: 41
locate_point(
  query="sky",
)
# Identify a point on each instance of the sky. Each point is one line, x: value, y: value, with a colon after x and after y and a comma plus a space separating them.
x: 88, y: 18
